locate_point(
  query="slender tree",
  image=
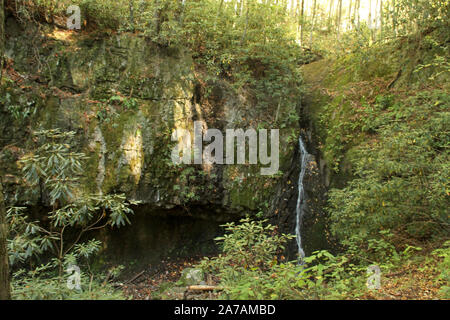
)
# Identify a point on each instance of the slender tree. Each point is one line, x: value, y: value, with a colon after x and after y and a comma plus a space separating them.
x: 5, y: 290
x: 302, y: 21
x: 350, y: 3
x: 244, y: 36
x: 375, y: 30
x: 394, y: 18
x: 330, y: 14
x: 2, y: 36
x: 355, y: 8
x: 313, y: 23
x: 358, y: 14
x: 339, y: 17
x: 381, y: 20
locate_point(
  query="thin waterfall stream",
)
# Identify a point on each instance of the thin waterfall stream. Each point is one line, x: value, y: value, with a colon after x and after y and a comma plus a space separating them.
x: 301, y: 200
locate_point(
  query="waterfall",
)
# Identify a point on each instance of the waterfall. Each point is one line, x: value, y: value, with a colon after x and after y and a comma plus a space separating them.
x: 301, y: 200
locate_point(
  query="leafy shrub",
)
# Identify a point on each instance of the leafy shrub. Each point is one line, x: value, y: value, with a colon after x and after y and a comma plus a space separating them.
x: 251, y: 267
x: 250, y: 244
x: 444, y: 269
x: 39, y: 284
x: 399, y: 170
x: 54, y: 168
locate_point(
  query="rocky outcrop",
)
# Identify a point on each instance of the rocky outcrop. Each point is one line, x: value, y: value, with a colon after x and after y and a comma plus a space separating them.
x: 124, y: 96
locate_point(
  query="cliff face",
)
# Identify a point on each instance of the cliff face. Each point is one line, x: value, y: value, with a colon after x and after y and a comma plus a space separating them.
x: 124, y: 96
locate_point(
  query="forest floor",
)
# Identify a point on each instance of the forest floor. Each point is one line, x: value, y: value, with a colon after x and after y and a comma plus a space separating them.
x: 411, y: 281
x: 153, y: 282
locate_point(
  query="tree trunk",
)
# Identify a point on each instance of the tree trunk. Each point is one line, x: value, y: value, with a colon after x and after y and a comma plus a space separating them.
x: 381, y: 20
x: 2, y: 36
x: 313, y: 23
x: 350, y: 5
x: 359, y: 15
x: 302, y: 17
x: 339, y: 14
x: 394, y: 18
x: 374, y: 34
x: 244, y: 36
x: 330, y: 15
x: 5, y: 290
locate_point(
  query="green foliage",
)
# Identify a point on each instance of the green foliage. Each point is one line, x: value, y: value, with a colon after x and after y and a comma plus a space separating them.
x: 254, y: 47
x: 38, y: 284
x: 187, y: 184
x: 53, y: 165
x: 110, y: 109
x: 257, y: 50
x: 397, y: 148
x: 250, y: 254
x: 400, y: 172
x: 444, y: 268
x: 251, y: 267
x: 251, y: 244
x: 27, y: 239
x: 55, y: 169
x: 126, y: 102
x: 440, y: 65
x: 21, y: 113
x: 334, y: 277
x: 20, y: 110
x: 423, y: 14
x: 106, y: 114
x: 223, y: 32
